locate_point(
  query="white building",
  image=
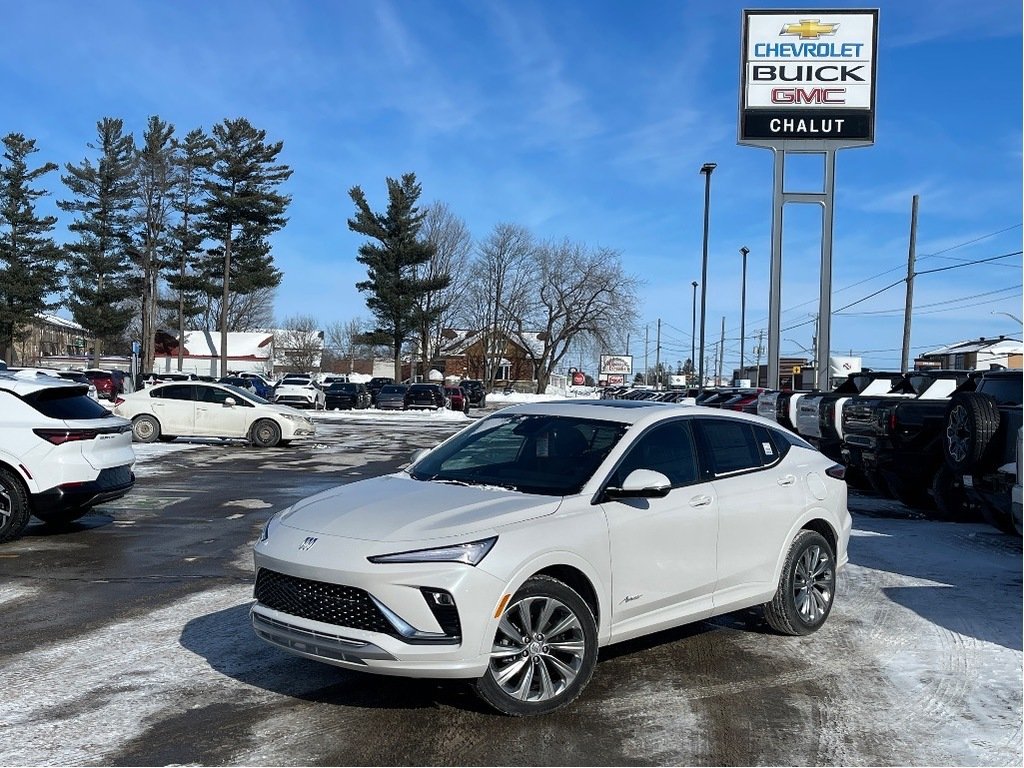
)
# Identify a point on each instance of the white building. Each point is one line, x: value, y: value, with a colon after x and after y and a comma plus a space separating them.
x: 978, y: 354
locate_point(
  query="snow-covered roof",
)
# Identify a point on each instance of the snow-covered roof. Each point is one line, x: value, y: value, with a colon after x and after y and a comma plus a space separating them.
x: 46, y: 317
x: 1001, y: 346
x: 241, y: 344
x: 458, y: 341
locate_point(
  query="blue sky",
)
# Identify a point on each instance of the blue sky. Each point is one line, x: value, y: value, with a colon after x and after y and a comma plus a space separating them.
x: 580, y: 120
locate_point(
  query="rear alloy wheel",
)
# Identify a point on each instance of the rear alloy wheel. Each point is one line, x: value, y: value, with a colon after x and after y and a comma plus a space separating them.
x: 544, y: 651
x: 145, y: 429
x: 807, y: 587
x: 14, y: 513
x: 265, y: 434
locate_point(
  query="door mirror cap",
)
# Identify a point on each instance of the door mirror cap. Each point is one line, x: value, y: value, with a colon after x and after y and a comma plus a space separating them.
x: 642, y: 484
x: 228, y: 402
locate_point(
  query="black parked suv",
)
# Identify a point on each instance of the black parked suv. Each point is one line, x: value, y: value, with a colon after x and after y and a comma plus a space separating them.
x: 344, y: 394
x: 376, y: 384
x: 980, y: 444
x: 475, y: 391
x: 425, y: 396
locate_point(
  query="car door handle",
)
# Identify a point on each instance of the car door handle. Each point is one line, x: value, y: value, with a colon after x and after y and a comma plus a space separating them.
x: 700, y: 501
x: 787, y: 480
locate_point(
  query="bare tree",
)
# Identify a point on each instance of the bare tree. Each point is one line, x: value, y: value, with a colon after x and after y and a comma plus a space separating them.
x: 580, y: 295
x: 299, y: 343
x: 345, y: 340
x: 246, y: 311
x: 498, y: 293
x: 452, y: 246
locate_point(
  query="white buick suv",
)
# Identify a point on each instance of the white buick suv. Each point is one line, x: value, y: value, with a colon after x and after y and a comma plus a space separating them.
x: 61, y: 452
x: 515, y: 549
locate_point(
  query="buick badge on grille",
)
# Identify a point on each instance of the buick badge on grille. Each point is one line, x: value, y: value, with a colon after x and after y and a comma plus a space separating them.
x: 307, y: 544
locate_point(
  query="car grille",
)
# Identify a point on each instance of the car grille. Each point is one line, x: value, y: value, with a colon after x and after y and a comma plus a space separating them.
x: 333, y: 604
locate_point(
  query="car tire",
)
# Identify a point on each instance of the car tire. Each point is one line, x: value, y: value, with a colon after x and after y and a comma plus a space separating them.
x: 145, y: 429
x: 14, y: 511
x: 265, y: 434
x: 530, y: 674
x: 807, y: 587
x: 950, y: 500
x: 972, y: 419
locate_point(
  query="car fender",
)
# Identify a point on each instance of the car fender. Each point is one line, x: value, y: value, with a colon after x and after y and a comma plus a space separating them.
x: 842, y: 537
x: 549, y: 559
x: 16, y: 466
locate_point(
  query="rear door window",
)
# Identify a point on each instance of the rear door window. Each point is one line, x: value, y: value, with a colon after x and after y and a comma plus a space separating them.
x: 730, y: 446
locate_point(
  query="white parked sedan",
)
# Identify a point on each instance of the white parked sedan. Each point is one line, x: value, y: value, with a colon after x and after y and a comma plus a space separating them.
x: 200, y: 409
x: 515, y: 549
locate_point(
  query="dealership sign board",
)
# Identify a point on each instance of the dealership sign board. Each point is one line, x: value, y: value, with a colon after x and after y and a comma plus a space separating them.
x: 808, y: 75
x: 616, y: 364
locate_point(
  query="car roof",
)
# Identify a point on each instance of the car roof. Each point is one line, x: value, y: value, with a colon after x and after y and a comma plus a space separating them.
x: 626, y: 411
x: 25, y: 386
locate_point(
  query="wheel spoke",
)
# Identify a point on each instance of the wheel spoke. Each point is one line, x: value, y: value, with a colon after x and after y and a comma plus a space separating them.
x: 569, y: 622
x: 547, y: 687
x: 524, y: 616
x: 568, y: 673
x: 507, y: 673
x: 505, y: 627
x: 546, y: 611
x: 501, y: 652
x: 572, y: 647
x: 522, y: 692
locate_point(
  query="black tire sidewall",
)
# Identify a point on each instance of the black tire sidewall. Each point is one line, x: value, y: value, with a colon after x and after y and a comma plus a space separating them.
x: 276, y: 434
x: 783, y: 614
x: 20, y: 514
x: 981, y: 420
x: 147, y: 419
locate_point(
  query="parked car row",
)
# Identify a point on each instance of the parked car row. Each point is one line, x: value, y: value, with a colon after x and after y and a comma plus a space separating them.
x: 945, y: 442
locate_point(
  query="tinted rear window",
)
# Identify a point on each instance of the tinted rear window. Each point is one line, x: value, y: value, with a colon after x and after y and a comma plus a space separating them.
x: 1006, y: 390
x: 66, y: 403
x: 342, y: 387
x: 393, y: 389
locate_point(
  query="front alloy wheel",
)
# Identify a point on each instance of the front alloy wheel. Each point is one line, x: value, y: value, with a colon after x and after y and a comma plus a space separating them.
x: 807, y: 587
x: 544, y: 651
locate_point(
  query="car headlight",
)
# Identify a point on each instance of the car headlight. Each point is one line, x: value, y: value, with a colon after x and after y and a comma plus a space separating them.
x: 470, y: 554
x: 272, y: 523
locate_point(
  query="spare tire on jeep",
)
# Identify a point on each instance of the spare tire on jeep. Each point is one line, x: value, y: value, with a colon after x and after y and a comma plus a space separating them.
x: 972, y: 419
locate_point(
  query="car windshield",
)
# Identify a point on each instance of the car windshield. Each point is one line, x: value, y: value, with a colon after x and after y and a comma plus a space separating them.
x: 341, y: 386
x: 530, y: 453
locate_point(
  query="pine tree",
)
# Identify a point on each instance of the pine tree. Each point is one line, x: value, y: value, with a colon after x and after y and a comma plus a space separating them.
x: 29, y: 259
x: 193, y: 158
x: 99, y: 265
x: 394, y: 289
x: 155, y: 180
x: 243, y: 209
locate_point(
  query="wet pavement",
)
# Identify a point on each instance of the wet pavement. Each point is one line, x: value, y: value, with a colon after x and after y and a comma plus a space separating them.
x: 125, y: 640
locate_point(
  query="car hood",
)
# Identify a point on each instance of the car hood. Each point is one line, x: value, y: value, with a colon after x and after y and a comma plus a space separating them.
x: 396, y: 508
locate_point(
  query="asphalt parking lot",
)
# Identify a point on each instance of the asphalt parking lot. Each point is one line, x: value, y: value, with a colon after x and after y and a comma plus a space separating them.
x: 126, y: 641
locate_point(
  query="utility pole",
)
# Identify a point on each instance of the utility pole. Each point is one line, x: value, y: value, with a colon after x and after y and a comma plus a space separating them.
x: 909, y: 309
x: 627, y: 344
x: 647, y: 335
x: 760, y: 340
x: 657, y: 358
x: 743, y: 307
x: 721, y: 350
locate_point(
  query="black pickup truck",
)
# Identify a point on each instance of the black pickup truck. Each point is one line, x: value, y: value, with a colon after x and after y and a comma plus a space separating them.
x: 895, y: 442
x: 981, y: 444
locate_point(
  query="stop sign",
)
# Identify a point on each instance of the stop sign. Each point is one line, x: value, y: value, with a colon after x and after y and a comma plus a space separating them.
x: 578, y: 379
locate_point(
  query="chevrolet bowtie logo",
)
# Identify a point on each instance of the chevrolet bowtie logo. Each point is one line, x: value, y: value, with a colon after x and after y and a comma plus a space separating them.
x: 809, y: 29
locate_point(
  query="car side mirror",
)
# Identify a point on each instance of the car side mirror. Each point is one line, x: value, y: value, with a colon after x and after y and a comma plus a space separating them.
x: 418, y: 454
x: 228, y: 402
x: 642, y: 484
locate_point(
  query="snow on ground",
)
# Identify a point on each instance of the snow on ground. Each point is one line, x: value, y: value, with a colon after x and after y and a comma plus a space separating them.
x: 148, y: 455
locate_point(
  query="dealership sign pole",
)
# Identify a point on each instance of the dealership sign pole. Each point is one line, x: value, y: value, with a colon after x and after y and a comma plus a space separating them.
x: 807, y: 86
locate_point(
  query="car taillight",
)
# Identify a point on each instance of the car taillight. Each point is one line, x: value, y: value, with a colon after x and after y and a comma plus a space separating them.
x: 61, y: 436
x: 837, y: 471
x: 118, y: 401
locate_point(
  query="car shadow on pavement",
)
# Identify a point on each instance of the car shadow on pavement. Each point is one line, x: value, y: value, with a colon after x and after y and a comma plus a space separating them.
x: 94, y: 519
x: 972, y: 571
x: 227, y: 641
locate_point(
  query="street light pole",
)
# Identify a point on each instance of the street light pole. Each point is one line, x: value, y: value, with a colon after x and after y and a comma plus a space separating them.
x: 1012, y: 317
x: 693, y: 329
x: 743, y: 307
x: 706, y: 170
